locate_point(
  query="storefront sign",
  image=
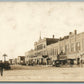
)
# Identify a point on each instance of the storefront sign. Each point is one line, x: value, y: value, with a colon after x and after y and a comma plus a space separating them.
x: 62, y: 57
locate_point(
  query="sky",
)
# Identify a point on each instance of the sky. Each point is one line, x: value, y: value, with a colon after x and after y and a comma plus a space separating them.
x: 22, y: 22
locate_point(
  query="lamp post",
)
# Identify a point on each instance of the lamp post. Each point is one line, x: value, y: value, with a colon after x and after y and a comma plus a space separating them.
x: 4, y: 55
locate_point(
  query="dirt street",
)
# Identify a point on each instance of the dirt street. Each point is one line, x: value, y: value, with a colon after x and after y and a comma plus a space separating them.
x: 44, y: 73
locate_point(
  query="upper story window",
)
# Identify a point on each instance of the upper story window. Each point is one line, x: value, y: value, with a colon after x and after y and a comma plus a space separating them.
x: 51, y: 51
x: 61, y: 48
x: 39, y: 47
x: 54, y: 51
x: 67, y: 48
x: 72, y: 47
x: 77, y: 46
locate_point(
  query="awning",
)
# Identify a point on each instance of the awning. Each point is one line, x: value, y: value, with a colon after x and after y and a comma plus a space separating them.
x: 44, y: 56
x: 54, y: 58
x: 62, y: 57
x: 73, y: 56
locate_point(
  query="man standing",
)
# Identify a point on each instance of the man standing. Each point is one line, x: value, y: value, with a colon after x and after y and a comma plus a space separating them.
x: 1, y: 69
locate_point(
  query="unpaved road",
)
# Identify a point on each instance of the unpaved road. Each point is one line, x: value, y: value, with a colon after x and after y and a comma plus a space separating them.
x: 44, y: 73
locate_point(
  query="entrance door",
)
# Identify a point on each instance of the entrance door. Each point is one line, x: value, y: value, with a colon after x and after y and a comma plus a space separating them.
x: 41, y: 60
x: 49, y: 61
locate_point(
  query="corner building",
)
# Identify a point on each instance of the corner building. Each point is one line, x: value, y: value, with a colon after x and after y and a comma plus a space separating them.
x: 68, y: 49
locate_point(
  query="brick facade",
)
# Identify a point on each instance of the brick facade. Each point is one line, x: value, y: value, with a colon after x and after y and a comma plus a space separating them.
x: 47, y: 49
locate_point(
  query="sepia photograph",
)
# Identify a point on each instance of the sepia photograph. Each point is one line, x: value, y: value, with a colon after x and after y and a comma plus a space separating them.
x: 42, y: 41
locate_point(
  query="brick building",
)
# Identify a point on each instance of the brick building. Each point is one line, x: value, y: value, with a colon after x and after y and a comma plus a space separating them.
x: 48, y: 50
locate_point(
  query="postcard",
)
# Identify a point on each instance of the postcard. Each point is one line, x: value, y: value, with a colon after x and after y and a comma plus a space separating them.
x: 42, y: 41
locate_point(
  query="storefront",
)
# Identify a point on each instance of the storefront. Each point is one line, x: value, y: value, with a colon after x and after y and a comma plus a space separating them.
x: 73, y: 59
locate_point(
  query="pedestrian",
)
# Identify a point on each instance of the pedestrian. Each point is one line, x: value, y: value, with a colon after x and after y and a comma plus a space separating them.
x: 71, y: 63
x: 1, y: 69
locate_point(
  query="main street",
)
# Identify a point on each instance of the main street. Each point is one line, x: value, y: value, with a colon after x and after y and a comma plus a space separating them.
x: 43, y: 73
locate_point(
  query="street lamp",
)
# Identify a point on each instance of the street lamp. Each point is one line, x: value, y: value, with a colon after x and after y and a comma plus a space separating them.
x: 4, y: 55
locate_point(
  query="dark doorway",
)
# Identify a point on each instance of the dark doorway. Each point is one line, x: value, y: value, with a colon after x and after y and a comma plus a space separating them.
x: 78, y: 61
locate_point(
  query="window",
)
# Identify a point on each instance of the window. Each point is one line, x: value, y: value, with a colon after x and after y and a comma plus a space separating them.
x: 57, y: 52
x: 51, y: 51
x: 67, y: 48
x: 77, y: 46
x: 39, y: 47
x: 61, y: 48
x: 54, y: 51
x: 72, y: 47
